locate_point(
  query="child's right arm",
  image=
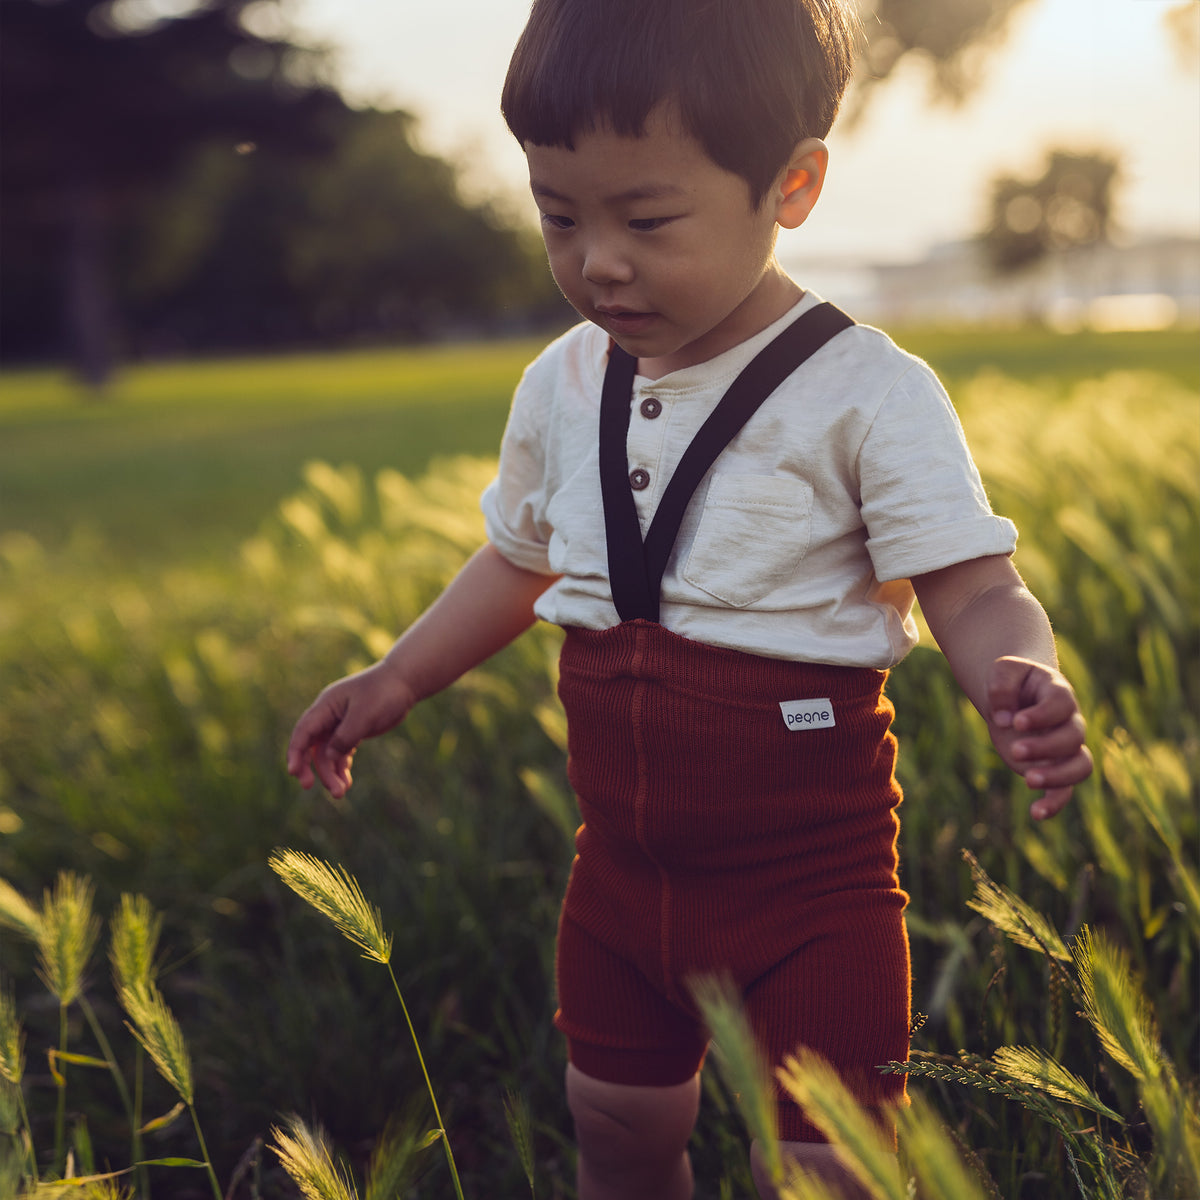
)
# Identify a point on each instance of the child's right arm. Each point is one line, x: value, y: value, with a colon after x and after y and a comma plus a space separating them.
x: 484, y: 608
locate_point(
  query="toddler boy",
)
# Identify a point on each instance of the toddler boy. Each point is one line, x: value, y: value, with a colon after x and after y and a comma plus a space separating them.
x: 735, y: 577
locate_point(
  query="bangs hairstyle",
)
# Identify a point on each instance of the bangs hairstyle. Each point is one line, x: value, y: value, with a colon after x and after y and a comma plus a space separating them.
x: 749, y: 79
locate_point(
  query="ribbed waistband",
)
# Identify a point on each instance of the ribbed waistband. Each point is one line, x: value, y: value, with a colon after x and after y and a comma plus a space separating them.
x: 644, y: 650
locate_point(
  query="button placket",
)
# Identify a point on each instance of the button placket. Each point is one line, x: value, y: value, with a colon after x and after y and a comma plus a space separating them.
x: 644, y: 447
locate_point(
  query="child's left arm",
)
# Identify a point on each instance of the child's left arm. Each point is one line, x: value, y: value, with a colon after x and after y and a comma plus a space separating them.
x: 998, y: 641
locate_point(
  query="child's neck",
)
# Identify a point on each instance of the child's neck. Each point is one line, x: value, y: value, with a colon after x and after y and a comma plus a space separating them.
x: 774, y: 295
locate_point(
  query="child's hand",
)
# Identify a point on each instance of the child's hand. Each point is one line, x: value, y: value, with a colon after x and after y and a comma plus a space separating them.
x: 1036, y: 725
x: 325, y: 738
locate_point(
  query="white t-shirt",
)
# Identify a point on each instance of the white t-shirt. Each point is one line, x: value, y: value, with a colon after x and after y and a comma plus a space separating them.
x: 799, y: 542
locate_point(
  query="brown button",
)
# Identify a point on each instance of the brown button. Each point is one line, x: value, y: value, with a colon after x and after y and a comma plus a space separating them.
x: 639, y: 480
x: 651, y: 407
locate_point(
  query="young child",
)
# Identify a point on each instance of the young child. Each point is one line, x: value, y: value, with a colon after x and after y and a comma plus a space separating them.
x: 729, y: 738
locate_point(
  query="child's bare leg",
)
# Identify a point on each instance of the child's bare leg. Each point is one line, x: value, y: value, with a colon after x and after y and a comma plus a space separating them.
x: 818, y: 1159
x: 632, y: 1140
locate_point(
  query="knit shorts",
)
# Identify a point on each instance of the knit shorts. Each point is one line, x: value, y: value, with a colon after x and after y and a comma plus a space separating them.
x: 722, y: 838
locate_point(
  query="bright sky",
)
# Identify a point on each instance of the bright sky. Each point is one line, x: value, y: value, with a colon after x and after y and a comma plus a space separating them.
x: 1076, y: 74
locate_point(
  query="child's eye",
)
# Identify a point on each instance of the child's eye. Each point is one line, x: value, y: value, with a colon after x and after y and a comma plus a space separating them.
x: 648, y: 224
x: 555, y: 222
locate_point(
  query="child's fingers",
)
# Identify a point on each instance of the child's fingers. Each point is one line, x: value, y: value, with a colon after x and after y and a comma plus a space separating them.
x: 1054, y: 707
x: 1051, y: 804
x: 1057, y: 777
x: 1005, y: 684
x: 314, y: 744
x: 333, y: 768
x: 1050, y: 743
x: 1027, y: 696
x: 1058, y: 772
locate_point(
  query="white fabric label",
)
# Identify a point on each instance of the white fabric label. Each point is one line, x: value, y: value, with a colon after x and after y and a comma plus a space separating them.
x: 807, y: 714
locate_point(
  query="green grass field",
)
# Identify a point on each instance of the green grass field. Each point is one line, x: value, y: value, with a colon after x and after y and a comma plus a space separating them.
x: 185, y: 460
x: 184, y: 563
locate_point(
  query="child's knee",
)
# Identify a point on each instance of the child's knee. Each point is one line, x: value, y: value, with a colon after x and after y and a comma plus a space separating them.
x: 620, y: 1123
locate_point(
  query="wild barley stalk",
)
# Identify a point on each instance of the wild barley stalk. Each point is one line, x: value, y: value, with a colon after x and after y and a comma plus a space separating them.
x: 1120, y: 1013
x: 516, y: 1113
x: 134, y: 931
x: 335, y: 893
x: 12, y: 1069
x: 66, y: 935
x: 131, y: 1113
x: 1006, y: 911
x: 155, y: 1028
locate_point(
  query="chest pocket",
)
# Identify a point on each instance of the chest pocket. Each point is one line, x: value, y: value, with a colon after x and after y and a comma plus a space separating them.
x: 753, y: 533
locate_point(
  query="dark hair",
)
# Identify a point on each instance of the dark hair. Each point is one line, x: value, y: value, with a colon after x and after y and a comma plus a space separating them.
x: 749, y: 78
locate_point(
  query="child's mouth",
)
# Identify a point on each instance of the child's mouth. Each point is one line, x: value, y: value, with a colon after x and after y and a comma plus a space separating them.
x: 625, y: 320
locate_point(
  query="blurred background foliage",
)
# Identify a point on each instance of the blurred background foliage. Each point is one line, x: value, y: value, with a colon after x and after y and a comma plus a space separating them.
x: 178, y: 178
x: 173, y: 182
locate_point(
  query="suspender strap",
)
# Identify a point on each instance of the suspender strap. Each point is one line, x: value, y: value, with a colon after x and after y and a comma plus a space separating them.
x: 636, y: 571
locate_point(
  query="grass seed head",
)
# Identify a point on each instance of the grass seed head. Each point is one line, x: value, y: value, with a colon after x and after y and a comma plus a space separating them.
x: 17, y: 914
x: 1034, y: 1067
x: 156, y: 1028
x: 135, y: 930
x: 335, y: 892
x: 1116, y: 1007
x: 1013, y: 916
x: 12, y: 1057
x: 68, y: 933
x: 306, y: 1157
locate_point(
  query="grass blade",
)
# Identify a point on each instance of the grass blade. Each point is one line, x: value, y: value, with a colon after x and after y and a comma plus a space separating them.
x: 738, y: 1059
x: 860, y: 1142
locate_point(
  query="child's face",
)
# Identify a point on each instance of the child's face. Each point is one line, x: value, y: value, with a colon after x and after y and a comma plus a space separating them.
x: 656, y: 244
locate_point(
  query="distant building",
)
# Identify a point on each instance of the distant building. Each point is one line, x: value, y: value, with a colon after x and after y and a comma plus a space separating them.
x: 1150, y: 284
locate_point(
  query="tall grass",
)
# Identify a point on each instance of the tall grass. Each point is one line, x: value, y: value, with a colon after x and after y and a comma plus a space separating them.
x: 142, y: 722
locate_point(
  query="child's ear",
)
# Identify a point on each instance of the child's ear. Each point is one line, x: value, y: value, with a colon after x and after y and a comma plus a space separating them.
x: 801, y: 183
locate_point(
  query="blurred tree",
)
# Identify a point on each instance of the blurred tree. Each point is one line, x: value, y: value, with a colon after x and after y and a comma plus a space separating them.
x: 951, y: 36
x: 371, y: 241
x: 102, y: 102
x: 1070, y: 204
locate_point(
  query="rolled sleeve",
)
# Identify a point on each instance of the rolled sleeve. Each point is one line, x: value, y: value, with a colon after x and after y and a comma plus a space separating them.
x: 513, y: 530
x: 514, y: 503
x: 923, y: 502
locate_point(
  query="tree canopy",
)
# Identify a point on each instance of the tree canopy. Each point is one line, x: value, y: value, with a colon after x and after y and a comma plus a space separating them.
x: 952, y: 37
x: 1070, y: 204
x: 171, y: 178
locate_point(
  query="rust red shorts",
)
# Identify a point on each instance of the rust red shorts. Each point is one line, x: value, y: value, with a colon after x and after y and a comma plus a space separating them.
x: 721, y: 839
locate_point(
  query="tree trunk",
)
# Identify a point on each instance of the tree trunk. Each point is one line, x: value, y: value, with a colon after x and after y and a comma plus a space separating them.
x: 88, y: 300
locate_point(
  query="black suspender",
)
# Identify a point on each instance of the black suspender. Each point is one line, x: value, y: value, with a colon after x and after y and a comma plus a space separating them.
x: 636, y: 571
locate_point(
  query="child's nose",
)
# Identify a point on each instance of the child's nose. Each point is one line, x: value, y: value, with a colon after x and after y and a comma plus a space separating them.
x: 604, y: 263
